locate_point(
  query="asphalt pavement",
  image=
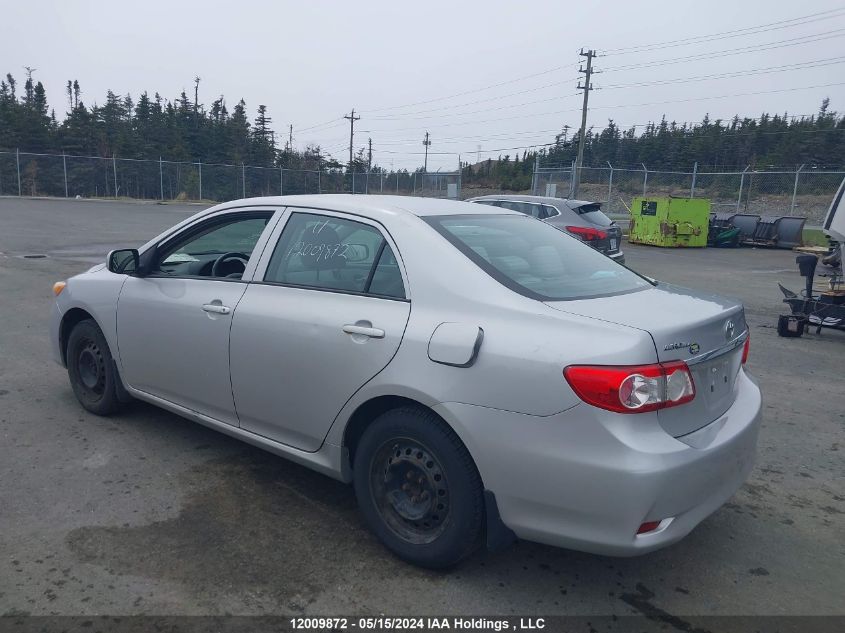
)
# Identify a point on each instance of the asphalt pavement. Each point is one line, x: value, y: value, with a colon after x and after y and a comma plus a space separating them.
x: 147, y: 513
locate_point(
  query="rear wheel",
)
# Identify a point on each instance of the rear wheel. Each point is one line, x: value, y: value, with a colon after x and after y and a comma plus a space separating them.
x: 91, y: 370
x: 418, y: 488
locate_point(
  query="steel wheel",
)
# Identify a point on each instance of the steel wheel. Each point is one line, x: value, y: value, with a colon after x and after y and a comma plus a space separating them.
x: 410, y: 489
x: 91, y: 368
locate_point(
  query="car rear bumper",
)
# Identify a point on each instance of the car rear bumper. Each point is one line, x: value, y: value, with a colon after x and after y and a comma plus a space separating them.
x: 586, y: 479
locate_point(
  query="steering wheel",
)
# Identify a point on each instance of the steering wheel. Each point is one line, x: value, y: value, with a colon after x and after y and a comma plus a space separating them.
x: 218, y: 263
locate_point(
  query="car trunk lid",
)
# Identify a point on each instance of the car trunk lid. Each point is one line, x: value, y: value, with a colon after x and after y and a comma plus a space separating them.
x: 705, y: 331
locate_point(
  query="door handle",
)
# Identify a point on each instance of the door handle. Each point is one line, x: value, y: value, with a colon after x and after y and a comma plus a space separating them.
x: 372, y: 332
x: 216, y: 308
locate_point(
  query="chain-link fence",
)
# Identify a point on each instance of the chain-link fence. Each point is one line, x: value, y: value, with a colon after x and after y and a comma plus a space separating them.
x: 60, y: 175
x: 804, y: 192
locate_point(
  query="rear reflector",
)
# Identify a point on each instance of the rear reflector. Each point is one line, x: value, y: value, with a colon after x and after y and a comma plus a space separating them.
x: 586, y: 233
x: 632, y: 389
x: 648, y: 526
x: 746, y: 348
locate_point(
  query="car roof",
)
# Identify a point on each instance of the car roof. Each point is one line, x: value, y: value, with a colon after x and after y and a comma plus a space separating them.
x: 573, y: 204
x: 373, y: 206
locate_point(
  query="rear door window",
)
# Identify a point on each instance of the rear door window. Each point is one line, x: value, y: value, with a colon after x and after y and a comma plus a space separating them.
x: 332, y: 253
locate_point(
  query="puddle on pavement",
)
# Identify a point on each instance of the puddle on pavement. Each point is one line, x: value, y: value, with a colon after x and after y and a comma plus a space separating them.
x: 252, y: 521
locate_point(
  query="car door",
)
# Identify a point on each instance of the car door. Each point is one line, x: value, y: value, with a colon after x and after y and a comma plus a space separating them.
x: 327, y: 314
x: 173, y: 324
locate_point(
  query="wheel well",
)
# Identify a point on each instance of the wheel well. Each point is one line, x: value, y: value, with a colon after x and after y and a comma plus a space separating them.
x: 69, y: 321
x: 368, y: 412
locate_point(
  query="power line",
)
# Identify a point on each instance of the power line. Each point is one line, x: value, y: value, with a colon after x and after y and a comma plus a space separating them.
x: 507, y: 136
x: 625, y: 105
x: 336, y: 121
x: 817, y: 37
x: 505, y: 107
x: 751, y: 30
x: 816, y: 63
x: 475, y: 90
x: 470, y: 103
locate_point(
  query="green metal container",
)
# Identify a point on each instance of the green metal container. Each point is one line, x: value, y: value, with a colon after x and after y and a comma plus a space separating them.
x: 670, y: 222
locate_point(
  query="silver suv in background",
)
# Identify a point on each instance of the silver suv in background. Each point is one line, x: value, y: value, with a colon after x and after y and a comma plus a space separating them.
x: 580, y: 218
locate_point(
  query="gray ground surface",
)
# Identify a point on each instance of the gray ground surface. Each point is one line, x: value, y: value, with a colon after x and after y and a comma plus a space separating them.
x: 148, y: 513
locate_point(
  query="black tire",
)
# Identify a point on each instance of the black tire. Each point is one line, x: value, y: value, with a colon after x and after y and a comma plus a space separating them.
x: 418, y: 488
x: 91, y: 370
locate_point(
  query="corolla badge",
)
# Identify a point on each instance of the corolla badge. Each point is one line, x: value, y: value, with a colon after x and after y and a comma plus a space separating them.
x: 729, y: 329
x: 694, y: 348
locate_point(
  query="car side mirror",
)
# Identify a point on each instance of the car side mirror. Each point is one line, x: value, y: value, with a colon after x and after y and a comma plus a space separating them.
x: 124, y: 261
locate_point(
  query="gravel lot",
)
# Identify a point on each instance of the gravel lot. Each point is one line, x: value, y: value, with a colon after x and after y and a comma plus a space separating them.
x: 148, y: 513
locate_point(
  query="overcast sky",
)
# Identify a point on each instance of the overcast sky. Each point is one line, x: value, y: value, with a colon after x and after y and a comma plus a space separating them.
x: 403, y: 66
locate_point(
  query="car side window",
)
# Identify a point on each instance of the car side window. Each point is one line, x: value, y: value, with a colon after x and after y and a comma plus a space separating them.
x: 547, y: 211
x: 219, y: 248
x: 526, y: 208
x: 332, y: 253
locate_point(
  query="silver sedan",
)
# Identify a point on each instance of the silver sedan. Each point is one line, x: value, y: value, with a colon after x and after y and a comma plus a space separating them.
x: 477, y: 374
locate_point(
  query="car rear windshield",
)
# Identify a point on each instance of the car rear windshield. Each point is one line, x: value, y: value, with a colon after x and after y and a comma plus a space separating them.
x: 592, y: 213
x: 536, y: 259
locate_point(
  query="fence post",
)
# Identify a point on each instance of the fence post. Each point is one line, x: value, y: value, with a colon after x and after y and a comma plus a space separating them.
x: 282, y: 181
x: 161, y: 177
x: 795, y: 190
x: 367, y: 183
x: 243, y: 180
x: 741, y: 183
x: 397, y: 183
x: 645, y: 178
x: 460, y: 178
x: 319, y: 184
x: 199, y: 168
x: 572, y: 180
x: 535, y: 176
x: 694, y: 174
x: 18, y: 162
x: 609, y: 186
x: 414, y: 190
x: 114, y: 169
x: 381, y: 182
x: 64, y: 168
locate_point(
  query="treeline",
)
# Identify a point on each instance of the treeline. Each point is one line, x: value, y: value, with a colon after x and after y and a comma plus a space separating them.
x: 186, y: 130
x: 767, y: 142
x: 149, y: 128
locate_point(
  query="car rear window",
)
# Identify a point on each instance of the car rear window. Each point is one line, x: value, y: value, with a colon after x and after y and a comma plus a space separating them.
x: 592, y: 213
x: 536, y: 259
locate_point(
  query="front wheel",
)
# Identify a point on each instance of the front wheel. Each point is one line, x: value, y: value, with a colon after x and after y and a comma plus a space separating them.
x: 91, y: 370
x: 418, y: 488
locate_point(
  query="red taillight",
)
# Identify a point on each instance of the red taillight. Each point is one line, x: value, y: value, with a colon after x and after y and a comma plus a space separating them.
x: 746, y: 348
x: 648, y: 526
x: 632, y: 389
x: 587, y: 234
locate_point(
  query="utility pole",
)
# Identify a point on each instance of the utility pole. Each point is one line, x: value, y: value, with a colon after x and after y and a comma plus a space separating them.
x: 351, y: 118
x: 197, y: 80
x: 427, y: 143
x: 370, y: 157
x: 290, y: 136
x: 579, y: 163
